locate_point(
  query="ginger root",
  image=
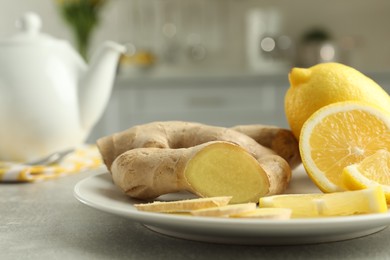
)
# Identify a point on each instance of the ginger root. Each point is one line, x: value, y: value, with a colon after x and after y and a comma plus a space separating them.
x: 150, y: 160
x: 208, y: 170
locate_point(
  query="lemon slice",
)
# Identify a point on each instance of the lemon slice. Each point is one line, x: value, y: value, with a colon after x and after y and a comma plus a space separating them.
x: 346, y: 203
x: 339, y: 135
x: 372, y: 171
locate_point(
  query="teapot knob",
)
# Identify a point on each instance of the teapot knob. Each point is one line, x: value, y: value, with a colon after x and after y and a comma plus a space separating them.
x: 30, y: 23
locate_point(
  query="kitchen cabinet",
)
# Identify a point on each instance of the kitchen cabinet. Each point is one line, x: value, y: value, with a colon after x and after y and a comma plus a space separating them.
x: 224, y: 101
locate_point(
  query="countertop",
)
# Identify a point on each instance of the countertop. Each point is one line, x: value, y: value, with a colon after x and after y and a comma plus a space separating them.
x: 277, y: 78
x: 45, y: 221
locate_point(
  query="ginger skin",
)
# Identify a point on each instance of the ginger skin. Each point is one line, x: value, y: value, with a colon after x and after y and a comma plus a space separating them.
x: 280, y: 140
x: 177, y: 134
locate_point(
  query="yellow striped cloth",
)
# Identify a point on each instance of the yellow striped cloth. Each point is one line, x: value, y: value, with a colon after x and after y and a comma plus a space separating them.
x: 85, y: 157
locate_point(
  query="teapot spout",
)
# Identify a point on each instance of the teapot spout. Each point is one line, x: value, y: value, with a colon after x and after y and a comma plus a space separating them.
x: 95, y: 85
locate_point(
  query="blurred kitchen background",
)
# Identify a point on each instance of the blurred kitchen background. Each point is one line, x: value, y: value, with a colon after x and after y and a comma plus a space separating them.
x: 221, y: 62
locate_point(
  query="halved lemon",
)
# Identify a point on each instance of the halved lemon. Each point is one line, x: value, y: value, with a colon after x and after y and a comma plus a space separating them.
x: 339, y: 135
x: 345, y: 203
x: 374, y: 170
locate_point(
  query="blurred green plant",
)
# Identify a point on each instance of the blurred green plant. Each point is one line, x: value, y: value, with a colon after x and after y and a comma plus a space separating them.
x: 83, y: 17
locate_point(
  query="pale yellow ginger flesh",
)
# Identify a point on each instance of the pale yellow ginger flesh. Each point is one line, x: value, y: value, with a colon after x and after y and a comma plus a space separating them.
x: 224, y: 211
x: 225, y: 169
x: 183, y: 205
x: 265, y: 213
x: 214, y: 207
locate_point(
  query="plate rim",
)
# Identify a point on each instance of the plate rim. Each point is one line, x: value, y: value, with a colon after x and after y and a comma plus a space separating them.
x: 148, y: 218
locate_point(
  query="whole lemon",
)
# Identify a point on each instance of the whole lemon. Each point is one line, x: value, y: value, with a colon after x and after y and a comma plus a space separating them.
x: 326, y: 83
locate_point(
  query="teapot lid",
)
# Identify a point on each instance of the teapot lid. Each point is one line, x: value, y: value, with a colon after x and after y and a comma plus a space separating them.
x: 30, y: 30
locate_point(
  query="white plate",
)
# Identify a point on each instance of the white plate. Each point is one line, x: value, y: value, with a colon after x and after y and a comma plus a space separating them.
x: 99, y: 192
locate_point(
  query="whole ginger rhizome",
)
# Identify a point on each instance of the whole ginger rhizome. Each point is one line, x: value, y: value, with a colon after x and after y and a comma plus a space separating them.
x: 150, y: 160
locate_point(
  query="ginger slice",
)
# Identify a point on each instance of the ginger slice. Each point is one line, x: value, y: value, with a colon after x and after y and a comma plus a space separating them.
x: 265, y: 213
x: 224, y: 211
x: 183, y: 205
x: 224, y: 169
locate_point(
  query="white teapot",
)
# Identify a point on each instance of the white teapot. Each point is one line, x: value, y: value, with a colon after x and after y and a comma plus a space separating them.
x: 49, y: 98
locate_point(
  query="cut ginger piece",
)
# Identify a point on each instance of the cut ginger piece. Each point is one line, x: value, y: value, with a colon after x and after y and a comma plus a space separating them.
x: 265, y: 213
x: 224, y: 211
x: 224, y: 169
x: 183, y: 205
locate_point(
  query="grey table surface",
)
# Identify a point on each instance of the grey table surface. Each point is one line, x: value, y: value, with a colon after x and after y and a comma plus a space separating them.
x: 45, y: 221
